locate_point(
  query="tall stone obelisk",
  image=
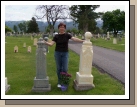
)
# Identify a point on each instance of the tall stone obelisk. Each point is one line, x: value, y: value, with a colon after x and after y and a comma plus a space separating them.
x: 41, y: 81
x: 84, y: 78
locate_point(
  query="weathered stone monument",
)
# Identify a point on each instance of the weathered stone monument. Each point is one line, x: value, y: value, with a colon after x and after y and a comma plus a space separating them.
x: 24, y: 45
x: 29, y: 49
x: 108, y: 38
x: 41, y: 81
x: 16, y: 49
x: 7, y: 87
x: 84, y: 78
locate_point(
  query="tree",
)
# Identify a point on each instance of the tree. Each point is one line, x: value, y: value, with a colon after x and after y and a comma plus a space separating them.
x: 92, y: 26
x: 7, y: 29
x: 74, y: 31
x: 114, y: 21
x: 68, y: 30
x: 23, y: 26
x: 15, y: 28
x: 20, y: 25
x: 85, y: 16
x: 52, y: 13
x: 33, y: 26
x: 47, y: 29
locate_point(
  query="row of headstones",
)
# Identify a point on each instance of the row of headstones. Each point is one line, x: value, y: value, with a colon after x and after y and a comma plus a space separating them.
x: 16, y: 49
x: 35, y: 44
x: 23, y: 34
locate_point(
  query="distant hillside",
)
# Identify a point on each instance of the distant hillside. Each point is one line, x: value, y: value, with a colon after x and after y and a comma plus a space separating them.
x: 42, y: 25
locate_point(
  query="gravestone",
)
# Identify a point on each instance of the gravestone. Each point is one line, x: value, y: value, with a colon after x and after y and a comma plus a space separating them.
x: 41, y: 81
x: 98, y: 35
x: 24, y: 45
x: 84, y: 78
x: 8, y: 34
x: 29, y: 49
x: 7, y: 87
x: 114, y: 41
x: 16, y: 49
x: 108, y: 38
x: 120, y: 38
x: 35, y: 42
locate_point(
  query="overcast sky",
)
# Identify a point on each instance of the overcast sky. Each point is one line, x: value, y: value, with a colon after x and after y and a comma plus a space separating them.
x: 26, y: 12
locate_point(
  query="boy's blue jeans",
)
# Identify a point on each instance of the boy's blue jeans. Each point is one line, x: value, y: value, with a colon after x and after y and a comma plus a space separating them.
x: 61, y: 59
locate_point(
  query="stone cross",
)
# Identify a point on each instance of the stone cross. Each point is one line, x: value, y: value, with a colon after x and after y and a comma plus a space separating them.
x: 16, y: 49
x: 7, y: 87
x: 84, y: 78
x: 41, y: 81
x: 29, y: 49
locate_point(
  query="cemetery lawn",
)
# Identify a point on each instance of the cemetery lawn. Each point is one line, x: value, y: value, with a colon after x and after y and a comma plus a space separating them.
x: 20, y: 69
x: 109, y: 44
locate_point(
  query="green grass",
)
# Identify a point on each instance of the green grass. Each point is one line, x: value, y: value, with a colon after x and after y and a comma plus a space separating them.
x: 109, y: 43
x: 21, y: 69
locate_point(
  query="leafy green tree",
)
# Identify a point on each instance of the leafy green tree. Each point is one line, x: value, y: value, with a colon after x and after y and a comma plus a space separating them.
x: 74, y: 30
x: 114, y: 21
x: 15, y: 28
x: 33, y: 26
x: 20, y: 25
x: 23, y: 26
x: 7, y: 29
x: 85, y: 16
x: 47, y: 29
x: 68, y: 30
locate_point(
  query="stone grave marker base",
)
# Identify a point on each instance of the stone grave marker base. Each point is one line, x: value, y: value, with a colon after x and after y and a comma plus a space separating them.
x: 108, y: 38
x: 81, y: 87
x: 7, y: 87
x: 41, y: 85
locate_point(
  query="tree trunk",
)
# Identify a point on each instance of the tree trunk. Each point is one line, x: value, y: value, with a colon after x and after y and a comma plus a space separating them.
x: 115, y: 34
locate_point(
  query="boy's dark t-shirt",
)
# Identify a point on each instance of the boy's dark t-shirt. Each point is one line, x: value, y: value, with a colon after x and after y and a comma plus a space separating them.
x: 61, y: 42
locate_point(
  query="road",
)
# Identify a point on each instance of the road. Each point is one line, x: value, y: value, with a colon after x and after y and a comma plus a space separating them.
x: 106, y: 60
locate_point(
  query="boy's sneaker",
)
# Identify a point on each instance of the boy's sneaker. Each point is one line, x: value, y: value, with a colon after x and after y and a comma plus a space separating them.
x: 58, y: 85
